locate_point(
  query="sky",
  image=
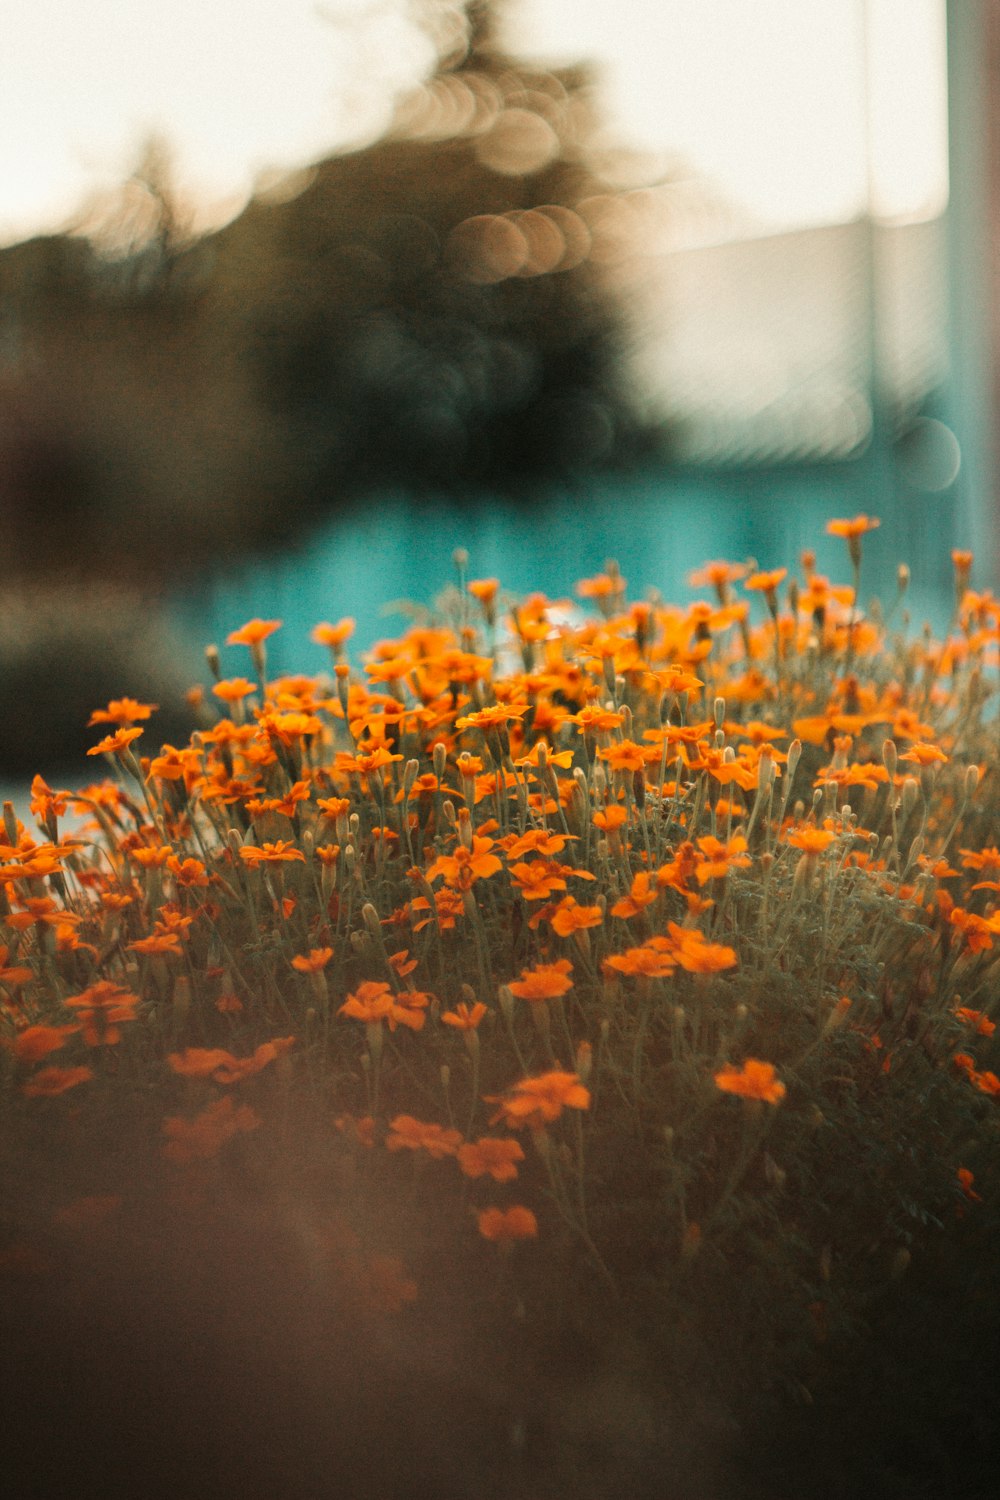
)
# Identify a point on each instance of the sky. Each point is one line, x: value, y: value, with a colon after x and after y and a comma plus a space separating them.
x: 765, y: 99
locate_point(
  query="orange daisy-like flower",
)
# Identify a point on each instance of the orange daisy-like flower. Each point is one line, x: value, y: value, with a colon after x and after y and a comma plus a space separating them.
x: 755, y: 1080
x: 465, y: 1017
x: 334, y: 636
x: 277, y: 853
x: 643, y: 893
x: 494, y: 716
x: 626, y: 755
x: 766, y: 583
x: 234, y: 689
x: 312, y: 962
x: 253, y: 632
x: 121, y: 711
x: 409, y: 1134
x: 544, y: 981
x: 491, y: 1155
x: 36, y: 1042
x: 924, y: 755
x: 484, y: 589
x: 48, y: 1082
x: 717, y: 858
x: 372, y: 1001
x: 102, y: 1007
x: 203, y: 1137
x: 656, y: 959
x: 854, y: 528
x: 465, y: 866
x: 696, y: 954
x: 536, y: 1102
x: 536, y: 879
x: 811, y: 840
x: 113, y: 743
x: 569, y: 917
x: 503, y: 1226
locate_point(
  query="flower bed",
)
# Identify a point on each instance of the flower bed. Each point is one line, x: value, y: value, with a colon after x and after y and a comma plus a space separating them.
x: 626, y: 1010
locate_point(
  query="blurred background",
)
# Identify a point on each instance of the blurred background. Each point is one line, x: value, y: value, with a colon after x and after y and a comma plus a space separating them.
x: 297, y: 297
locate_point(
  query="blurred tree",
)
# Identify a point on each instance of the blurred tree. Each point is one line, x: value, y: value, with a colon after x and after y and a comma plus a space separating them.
x: 435, y: 311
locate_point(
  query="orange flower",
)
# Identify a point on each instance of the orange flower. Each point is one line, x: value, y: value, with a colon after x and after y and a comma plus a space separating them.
x: 160, y: 942
x: 503, y: 1226
x: 51, y: 1081
x: 494, y: 716
x: 334, y: 636
x: 483, y: 589
x: 372, y: 1001
x: 101, y: 1008
x: 608, y: 819
x: 569, y: 916
x: 766, y: 583
x: 965, y: 1181
x: 976, y: 1018
x: 113, y: 743
x: 656, y: 959
x: 924, y: 755
x: 720, y: 858
x: 536, y: 1102
x: 811, y: 840
x: 277, y: 853
x: 121, y: 711
x: 696, y: 954
x: 465, y: 1017
x: 626, y: 755
x: 222, y: 1066
x: 491, y: 1154
x: 639, y: 897
x: 253, y: 632
x: 36, y: 1042
x: 409, y: 1134
x: 233, y: 689
x: 314, y: 961
x: 544, y: 981
x: 465, y: 866
x: 536, y: 879
x: 755, y: 1080
x: 204, y: 1136
x: 855, y: 528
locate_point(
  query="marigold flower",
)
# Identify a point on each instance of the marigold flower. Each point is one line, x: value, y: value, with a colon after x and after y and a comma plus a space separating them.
x: 253, y: 632
x: 121, y: 711
x: 811, y: 840
x: 965, y: 1181
x: 766, y: 583
x: 113, y: 743
x: 465, y: 1017
x: 102, y: 1007
x: 655, y: 959
x: 855, y: 528
x: 203, y: 1137
x: 279, y: 852
x: 536, y: 1102
x: 536, y: 879
x: 643, y: 893
x: 491, y: 1155
x: 976, y: 1019
x: 36, y: 1042
x: 544, y: 981
x: 925, y: 755
x: 409, y: 1134
x: 694, y: 953
x: 569, y: 917
x: 48, y: 1082
x: 483, y: 589
x: 325, y: 634
x: 506, y: 1225
x: 755, y: 1080
x: 626, y: 755
x: 234, y: 689
x: 371, y: 1001
x: 312, y: 962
